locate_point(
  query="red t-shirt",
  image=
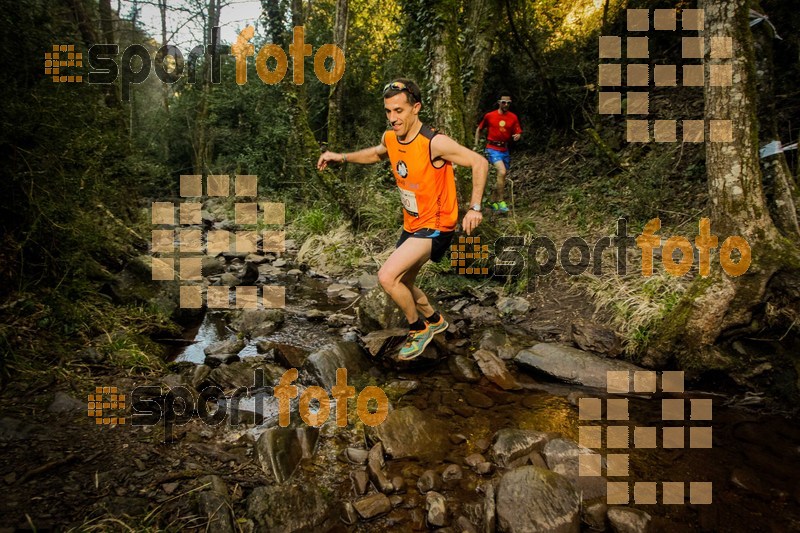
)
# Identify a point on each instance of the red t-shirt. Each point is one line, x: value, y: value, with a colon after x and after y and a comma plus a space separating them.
x: 501, y: 128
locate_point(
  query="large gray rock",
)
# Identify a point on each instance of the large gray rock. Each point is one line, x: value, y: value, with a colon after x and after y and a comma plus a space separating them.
x: 223, y: 352
x: 279, y: 450
x: 322, y: 364
x: 628, y: 520
x: 464, y: 369
x: 561, y: 456
x: 495, y: 370
x: 292, y: 507
x: 513, y: 305
x: 407, y: 432
x: 595, y: 338
x: 377, y: 311
x: 64, y: 403
x: 436, y: 506
x: 570, y: 364
x: 531, y: 499
x: 511, y: 444
x: 372, y: 506
x: 257, y: 322
x: 379, y: 341
x: 497, y: 341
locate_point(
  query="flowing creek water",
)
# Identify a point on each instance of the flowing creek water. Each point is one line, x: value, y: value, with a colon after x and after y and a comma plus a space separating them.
x: 754, y: 463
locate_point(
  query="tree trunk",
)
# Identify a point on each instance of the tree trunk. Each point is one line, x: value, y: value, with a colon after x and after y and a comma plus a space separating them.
x: 203, y: 142
x: 336, y: 96
x: 782, y: 191
x: 480, y: 35
x: 721, y: 303
x: 447, y: 92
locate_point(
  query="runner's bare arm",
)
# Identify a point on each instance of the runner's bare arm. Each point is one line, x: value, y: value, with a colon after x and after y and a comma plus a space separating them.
x: 449, y: 150
x: 366, y: 156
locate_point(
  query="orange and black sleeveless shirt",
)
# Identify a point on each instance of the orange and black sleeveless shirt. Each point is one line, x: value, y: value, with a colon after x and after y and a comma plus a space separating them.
x: 427, y: 187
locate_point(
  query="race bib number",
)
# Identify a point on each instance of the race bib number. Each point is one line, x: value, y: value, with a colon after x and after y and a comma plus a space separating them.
x: 409, y: 200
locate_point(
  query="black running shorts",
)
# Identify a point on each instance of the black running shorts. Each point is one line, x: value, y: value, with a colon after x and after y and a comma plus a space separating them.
x: 440, y: 241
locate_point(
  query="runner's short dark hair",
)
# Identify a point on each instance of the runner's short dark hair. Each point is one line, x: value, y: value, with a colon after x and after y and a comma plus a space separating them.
x: 412, y: 91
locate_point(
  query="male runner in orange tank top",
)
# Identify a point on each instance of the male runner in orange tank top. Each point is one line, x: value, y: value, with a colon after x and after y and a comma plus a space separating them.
x: 422, y: 164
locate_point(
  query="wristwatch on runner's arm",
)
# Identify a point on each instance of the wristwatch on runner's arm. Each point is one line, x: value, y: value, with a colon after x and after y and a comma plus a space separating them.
x: 475, y: 207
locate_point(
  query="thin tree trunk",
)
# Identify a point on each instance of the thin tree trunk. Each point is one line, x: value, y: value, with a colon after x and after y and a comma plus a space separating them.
x: 336, y: 96
x: 781, y: 188
x: 447, y: 92
x: 481, y: 34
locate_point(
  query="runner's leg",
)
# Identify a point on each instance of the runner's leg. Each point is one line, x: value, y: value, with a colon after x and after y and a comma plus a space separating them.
x: 499, y: 190
x: 420, y: 299
x: 411, y: 254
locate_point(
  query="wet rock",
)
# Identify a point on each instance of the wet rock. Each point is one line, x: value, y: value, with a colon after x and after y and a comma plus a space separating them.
x: 316, y: 314
x: 593, y: 514
x: 356, y: 455
x: 201, y: 372
x: 216, y: 510
x: 238, y: 375
x: 228, y: 279
x: 436, y: 506
x: 407, y: 432
x: 348, y: 294
x: 463, y: 369
x: 338, y: 320
x: 458, y: 438
x: 484, y: 468
x: 170, y: 488
x: 291, y: 507
x: 474, y: 460
x: 593, y: 337
x: 64, y: 403
x: 570, y: 364
x: 269, y: 271
x: 285, y: 354
x: 498, y: 342
x: 463, y: 525
x: 334, y: 289
x: 482, y: 445
x: 561, y: 456
x: 257, y: 322
x: 360, y: 480
x: 396, y: 500
x: 223, y: 352
x: 349, y: 515
x: 477, y: 399
x: 375, y: 464
x: 376, y: 310
x: 533, y: 499
x: 379, y: 341
x: 399, y: 388
x: 510, y: 444
x: 212, y: 266
x: 279, y: 450
x: 464, y: 410
x: 417, y: 519
x: 256, y: 259
x: 514, y: 305
x: 295, y: 273
x: 495, y: 370
x: 628, y: 520
x: 322, y: 364
x: 249, y: 274
x: 489, y: 507
x: 399, y: 484
x: 429, y: 481
x: 372, y: 506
